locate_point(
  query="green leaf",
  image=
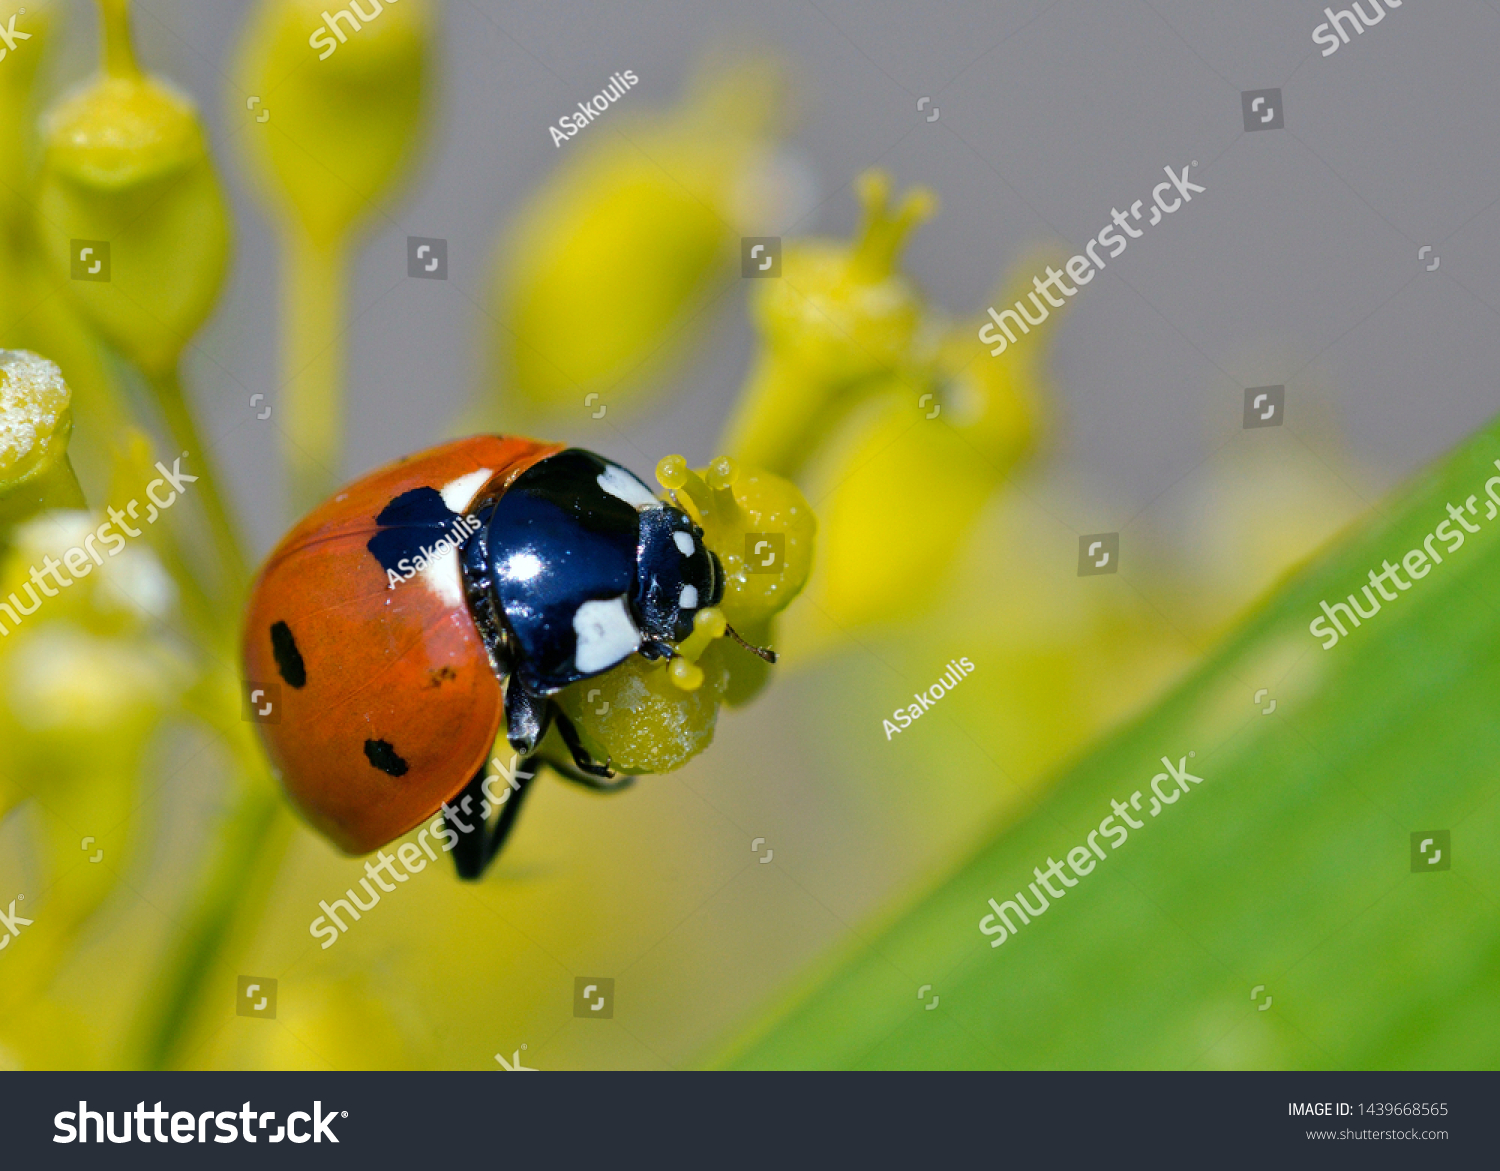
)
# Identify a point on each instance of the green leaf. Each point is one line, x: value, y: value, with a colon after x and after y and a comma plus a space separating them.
x: 1289, y: 866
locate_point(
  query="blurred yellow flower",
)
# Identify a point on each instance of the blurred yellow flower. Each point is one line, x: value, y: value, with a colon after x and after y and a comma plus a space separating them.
x: 840, y: 319
x: 602, y: 271
x: 35, y: 423
x: 84, y: 681
x: 344, y: 131
x: 126, y: 173
x: 343, y: 128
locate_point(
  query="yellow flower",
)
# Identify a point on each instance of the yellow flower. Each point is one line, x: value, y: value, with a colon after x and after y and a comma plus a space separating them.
x: 901, y: 425
x: 126, y: 171
x: 35, y: 422
x: 840, y: 320
x: 903, y: 483
x: 600, y: 276
x: 84, y: 682
x: 340, y: 126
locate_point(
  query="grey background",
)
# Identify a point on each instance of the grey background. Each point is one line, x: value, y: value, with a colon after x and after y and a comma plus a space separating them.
x: 1298, y: 265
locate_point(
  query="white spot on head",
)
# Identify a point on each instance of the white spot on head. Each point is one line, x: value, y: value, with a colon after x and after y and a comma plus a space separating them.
x: 621, y: 484
x: 459, y: 494
x: 684, y: 543
x: 606, y: 634
x: 442, y: 576
x: 688, y: 599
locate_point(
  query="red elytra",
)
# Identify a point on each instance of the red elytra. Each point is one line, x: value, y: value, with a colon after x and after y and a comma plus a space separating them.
x: 388, y: 673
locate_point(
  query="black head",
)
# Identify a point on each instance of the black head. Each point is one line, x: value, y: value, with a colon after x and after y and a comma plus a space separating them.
x: 676, y: 574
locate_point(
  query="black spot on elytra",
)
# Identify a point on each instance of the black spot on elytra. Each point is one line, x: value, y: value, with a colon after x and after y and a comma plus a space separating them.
x: 419, y: 506
x: 410, y: 522
x: 385, y: 758
x: 288, y: 657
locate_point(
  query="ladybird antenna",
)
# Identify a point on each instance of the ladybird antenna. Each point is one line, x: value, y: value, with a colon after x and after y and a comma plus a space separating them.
x: 762, y: 652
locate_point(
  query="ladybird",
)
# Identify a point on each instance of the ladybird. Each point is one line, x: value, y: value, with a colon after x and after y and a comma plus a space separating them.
x: 407, y: 616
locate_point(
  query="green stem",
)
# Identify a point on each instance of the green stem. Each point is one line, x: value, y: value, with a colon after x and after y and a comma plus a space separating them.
x: 313, y: 297
x: 185, y: 434
x: 251, y: 847
x: 251, y: 842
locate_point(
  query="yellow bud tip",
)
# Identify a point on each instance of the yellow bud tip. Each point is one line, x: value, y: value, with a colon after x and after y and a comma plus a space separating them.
x: 874, y: 189
x: 884, y: 232
x: 697, y: 500
x: 721, y: 475
x: 723, y: 472
x: 672, y: 472
x: 688, y: 676
x: 920, y: 205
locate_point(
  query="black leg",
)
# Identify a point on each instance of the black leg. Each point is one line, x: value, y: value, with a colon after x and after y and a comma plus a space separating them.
x: 479, y: 846
x: 526, y: 716
x: 468, y: 854
x: 581, y: 758
x: 569, y: 773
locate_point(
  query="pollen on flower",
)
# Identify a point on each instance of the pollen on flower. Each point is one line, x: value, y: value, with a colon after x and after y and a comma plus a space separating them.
x: 33, y: 408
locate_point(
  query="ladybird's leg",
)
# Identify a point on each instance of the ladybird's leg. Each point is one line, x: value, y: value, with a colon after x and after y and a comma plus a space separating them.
x: 656, y: 649
x: 526, y: 716
x: 469, y: 852
x: 524, y: 775
x: 586, y: 763
x: 475, y: 851
x: 594, y: 784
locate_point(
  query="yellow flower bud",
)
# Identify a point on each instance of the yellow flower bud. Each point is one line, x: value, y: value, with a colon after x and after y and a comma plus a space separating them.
x: 17, y: 120
x: 32, y: 316
x: 84, y: 680
x: 839, y: 317
x: 342, y: 109
x: 126, y: 174
x: 604, y: 268
x: 342, y: 124
x: 902, y: 485
x: 760, y: 526
x: 35, y: 422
